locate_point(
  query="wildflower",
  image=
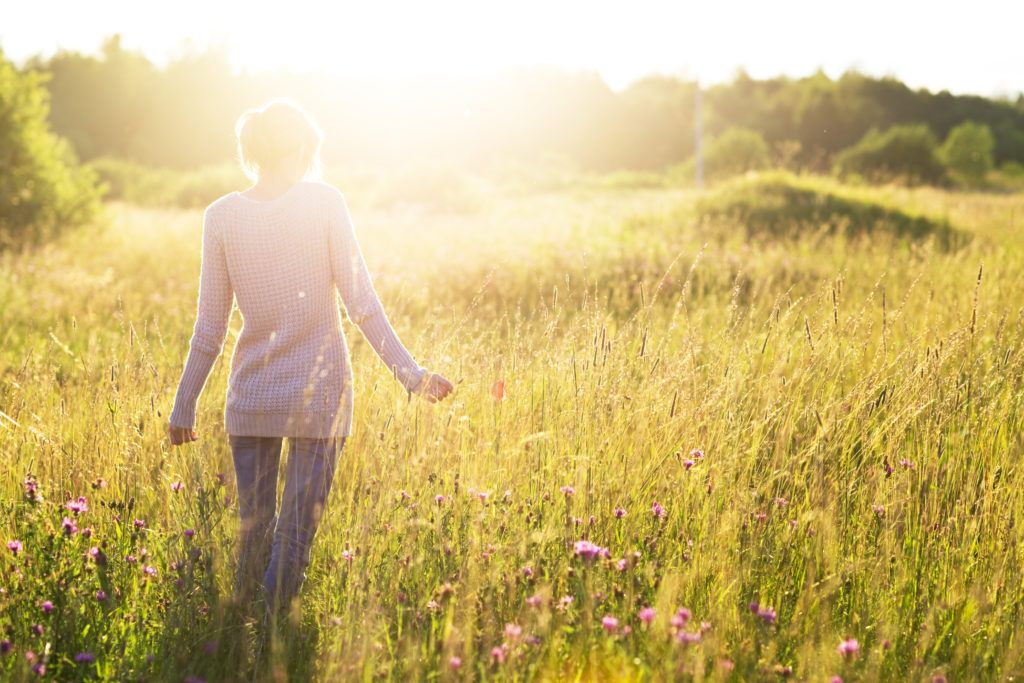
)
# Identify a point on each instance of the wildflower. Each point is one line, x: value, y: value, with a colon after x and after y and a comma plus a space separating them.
x: 533, y: 601
x: 5, y: 646
x: 879, y: 510
x: 32, y: 489
x: 619, y: 513
x: 498, y: 654
x: 564, y: 602
x: 761, y: 516
x: 15, y: 547
x: 527, y: 572
x: 938, y: 678
x: 87, y: 532
x: 567, y: 490
x: 681, y: 618
x: 346, y: 554
x: 887, y: 467
x: 94, y: 552
x: 848, y: 648
x: 99, y: 483
x: 37, y: 629
x: 131, y: 559
x: 101, y: 596
x: 687, y: 637
x: 483, y: 499
x: 189, y: 533
x: 47, y: 606
x: 440, y: 498
x: 906, y: 463
x: 688, y: 463
x: 77, y: 506
x: 696, y: 454
x: 726, y: 664
x: 140, y: 524
x: 432, y: 605
x: 589, y: 551
x: 39, y: 669
x: 85, y: 658
x: 221, y: 478
x: 767, y: 614
x: 177, y: 486
x: 149, y: 570
x: 513, y: 631
x: 610, y: 623
x: 621, y: 565
x: 781, y: 502
x: 646, y: 615
x: 658, y: 510
x: 507, y: 494
x: 455, y: 662
x: 498, y: 390
x: 836, y: 679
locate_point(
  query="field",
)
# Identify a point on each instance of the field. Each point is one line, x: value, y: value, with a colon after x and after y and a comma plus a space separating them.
x: 768, y: 429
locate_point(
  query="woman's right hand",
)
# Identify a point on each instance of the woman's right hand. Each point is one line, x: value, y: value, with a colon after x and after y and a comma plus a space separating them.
x: 180, y: 435
x: 436, y: 387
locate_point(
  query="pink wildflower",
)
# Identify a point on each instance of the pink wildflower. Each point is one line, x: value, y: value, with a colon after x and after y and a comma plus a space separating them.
x: 688, y: 463
x: 15, y: 546
x: 77, y: 506
x: 848, y: 648
x: 534, y: 601
x: 85, y: 658
x: 610, y: 623
x: 498, y: 654
x: 589, y: 551
x: 177, y: 486
x: 646, y: 615
x: 455, y: 662
x: 513, y: 631
x: 47, y: 606
x: 567, y: 490
x: 658, y: 510
x: 619, y: 513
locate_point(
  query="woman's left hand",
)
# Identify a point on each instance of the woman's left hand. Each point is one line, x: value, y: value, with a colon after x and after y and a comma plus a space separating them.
x: 436, y: 387
x: 180, y: 435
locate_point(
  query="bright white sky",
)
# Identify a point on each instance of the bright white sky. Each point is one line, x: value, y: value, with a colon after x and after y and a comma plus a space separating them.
x: 965, y: 47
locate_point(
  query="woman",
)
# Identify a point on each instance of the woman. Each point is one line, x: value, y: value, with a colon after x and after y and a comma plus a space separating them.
x: 282, y: 249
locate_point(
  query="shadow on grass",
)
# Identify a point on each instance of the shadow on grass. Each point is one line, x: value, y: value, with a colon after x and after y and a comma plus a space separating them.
x: 779, y: 206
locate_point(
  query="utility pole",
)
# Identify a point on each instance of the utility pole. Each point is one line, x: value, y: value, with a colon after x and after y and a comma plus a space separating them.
x: 698, y: 150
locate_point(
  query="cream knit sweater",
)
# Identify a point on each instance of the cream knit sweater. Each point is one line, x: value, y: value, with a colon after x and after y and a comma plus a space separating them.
x: 284, y: 261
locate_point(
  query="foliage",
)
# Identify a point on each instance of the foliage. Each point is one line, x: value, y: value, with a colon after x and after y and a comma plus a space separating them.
x: 967, y: 152
x: 902, y: 153
x: 42, y: 191
x: 736, y: 151
x: 118, y: 104
x: 138, y: 184
x: 812, y: 441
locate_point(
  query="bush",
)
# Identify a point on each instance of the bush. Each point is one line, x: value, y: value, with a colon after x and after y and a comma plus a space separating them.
x: 902, y: 153
x: 967, y: 152
x: 736, y: 151
x: 138, y: 184
x: 42, y: 189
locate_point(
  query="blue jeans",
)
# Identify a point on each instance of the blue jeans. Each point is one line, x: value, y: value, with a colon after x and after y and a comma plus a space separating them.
x: 275, y: 544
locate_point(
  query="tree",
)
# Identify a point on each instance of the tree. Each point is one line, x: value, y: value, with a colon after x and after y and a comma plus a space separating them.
x: 42, y: 189
x: 967, y: 152
x: 906, y: 153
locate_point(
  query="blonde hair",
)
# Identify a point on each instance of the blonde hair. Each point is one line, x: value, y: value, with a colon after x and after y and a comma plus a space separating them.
x: 269, y: 135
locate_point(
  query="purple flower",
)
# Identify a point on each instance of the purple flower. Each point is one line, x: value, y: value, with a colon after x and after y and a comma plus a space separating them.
x: 567, y: 490
x: 658, y: 511
x: 619, y: 513
x: 688, y: 463
x: 589, y: 551
x: 527, y: 572
x: 767, y: 614
x: 848, y: 648
x: 68, y: 525
x: 906, y: 463
x: 533, y: 601
x: 47, y: 606
x: 610, y: 623
x: 681, y: 618
x: 85, y: 658
x: 687, y: 637
x: 498, y: 654
x: 140, y: 524
x: 15, y: 546
x: 101, y: 596
x: 5, y: 646
x: 77, y: 506
x: 189, y: 533
x: 646, y: 615
x: 455, y: 662
x: 696, y: 454
x: 879, y: 510
x: 513, y: 631
x: 177, y: 486
x: 621, y: 565
x: 150, y: 571
x: 37, y: 629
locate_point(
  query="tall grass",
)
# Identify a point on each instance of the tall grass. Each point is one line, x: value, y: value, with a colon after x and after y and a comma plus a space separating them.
x: 780, y: 444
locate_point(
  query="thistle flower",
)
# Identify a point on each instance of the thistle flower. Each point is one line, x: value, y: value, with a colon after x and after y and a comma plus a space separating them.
x: 455, y: 662
x: 85, y: 658
x: 696, y: 454
x: 646, y: 615
x: 140, y: 524
x: 47, y: 606
x: 149, y: 570
x: 610, y: 623
x: 498, y: 654
x: 567, y: 490
x: 68, y: 525
x: 688, y: 463
x: 101, y: 596
x: 848, y: 648
x: 619, y: 513
x: 77, y: 506
x: 5, y: 646
x: 177, y: 486
x: 588, y: 550
x: 513, y: 631
x: 15, y: 547
x: 534, y: 600
x: 658, y: 510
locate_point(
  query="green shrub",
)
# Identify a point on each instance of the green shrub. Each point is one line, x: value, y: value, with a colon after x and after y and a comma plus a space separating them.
x: 143, y: 186
x: 736, y: 151
x: 42, y: 189
x: 901, y: 153
x: 967, y: 152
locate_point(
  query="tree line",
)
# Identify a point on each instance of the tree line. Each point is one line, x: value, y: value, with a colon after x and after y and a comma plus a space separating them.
x: 119, y: 104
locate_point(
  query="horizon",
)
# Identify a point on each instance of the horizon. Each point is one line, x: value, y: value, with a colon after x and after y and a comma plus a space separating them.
x: 457, y: 38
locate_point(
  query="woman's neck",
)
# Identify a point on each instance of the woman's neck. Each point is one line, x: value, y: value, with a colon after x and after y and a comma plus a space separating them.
x: 270, y: 186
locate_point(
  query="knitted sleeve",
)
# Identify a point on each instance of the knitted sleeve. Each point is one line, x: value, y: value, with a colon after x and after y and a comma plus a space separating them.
x: 361, y: 302
x: 215, y: 300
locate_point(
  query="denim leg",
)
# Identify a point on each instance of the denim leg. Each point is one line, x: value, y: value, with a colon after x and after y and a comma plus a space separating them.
x: 256, y: 465
x: 308, y: 477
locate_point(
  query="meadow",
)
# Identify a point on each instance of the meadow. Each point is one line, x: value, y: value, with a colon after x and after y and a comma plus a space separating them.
x: 769, y: 429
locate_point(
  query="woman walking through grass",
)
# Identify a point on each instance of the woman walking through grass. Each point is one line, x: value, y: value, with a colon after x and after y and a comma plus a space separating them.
x: 283, y: 249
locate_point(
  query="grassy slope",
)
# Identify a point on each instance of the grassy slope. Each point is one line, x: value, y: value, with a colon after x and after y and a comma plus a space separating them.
x: 629, y: 332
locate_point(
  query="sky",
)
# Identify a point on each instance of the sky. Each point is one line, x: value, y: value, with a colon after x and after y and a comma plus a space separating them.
x: 958, y: 46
